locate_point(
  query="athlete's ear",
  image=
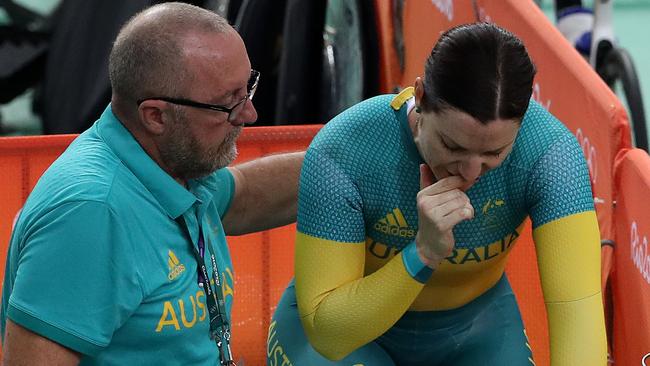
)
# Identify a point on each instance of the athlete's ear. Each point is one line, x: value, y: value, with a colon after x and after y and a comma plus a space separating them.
x: 419, y: 92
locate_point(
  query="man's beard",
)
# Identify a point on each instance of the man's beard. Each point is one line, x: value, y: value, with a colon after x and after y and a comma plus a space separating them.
x: 183, y: 156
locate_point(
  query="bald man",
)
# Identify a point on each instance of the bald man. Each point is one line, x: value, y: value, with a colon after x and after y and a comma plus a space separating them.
x: 119, y: 256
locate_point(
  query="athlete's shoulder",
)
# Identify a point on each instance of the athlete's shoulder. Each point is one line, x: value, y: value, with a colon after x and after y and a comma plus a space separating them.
x: 368, y: 115
x: 540, y: 133
x: 371, y: 122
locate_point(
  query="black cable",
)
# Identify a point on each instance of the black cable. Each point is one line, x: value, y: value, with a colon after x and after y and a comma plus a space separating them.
x: 617, y: 65
x: 563, y: 4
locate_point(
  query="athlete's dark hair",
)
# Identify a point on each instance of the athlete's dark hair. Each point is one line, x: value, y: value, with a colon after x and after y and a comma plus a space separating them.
x: 480, y: 69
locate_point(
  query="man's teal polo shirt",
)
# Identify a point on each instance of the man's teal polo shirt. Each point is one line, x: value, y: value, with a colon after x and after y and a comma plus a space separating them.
x: 98, y: 263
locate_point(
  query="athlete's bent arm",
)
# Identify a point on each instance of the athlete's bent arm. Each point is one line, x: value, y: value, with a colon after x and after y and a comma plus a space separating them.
x: 340, y: 309
x: 22, y: 347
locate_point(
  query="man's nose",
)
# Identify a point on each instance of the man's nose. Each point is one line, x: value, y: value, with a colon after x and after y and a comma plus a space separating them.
x: 247, y: 116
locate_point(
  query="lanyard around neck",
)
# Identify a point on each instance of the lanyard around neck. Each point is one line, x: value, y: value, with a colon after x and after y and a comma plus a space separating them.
x: 219, y: 325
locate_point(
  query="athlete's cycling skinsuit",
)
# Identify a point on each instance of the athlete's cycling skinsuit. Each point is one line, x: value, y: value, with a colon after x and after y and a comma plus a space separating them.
x: 361, y: 288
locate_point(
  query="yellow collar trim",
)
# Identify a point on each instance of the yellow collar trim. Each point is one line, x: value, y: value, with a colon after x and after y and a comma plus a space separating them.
x: 401, y: 98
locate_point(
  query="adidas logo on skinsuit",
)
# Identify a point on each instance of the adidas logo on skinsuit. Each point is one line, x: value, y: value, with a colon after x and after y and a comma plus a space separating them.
x: 394, y: 224
x: 175, y: 266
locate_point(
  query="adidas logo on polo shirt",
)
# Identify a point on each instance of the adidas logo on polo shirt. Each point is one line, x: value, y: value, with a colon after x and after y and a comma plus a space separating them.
x: 175, y: 266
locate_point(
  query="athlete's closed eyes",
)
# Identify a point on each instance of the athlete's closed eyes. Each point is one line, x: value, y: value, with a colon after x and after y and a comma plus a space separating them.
x: 454, y: 149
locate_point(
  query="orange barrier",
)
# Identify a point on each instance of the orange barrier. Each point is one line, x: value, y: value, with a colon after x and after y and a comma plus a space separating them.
x: 630, y: 279
x: 263, y: 262
x: 565, y: 84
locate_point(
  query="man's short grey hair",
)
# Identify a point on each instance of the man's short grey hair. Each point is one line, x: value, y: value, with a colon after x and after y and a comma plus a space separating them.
x: 147, y: 59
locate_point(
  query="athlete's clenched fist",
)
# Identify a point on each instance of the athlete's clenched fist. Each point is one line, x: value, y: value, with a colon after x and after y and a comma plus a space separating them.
x: 441, y: 206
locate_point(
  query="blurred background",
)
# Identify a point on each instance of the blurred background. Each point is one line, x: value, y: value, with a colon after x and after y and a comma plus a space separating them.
x: 53, y: 56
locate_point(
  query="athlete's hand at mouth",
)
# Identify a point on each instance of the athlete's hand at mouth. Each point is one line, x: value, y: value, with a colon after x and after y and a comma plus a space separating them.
x: 441, y: 206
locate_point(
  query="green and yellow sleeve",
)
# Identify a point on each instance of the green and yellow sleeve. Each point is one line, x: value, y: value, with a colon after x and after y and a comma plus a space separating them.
x: 567, y: 241
x: 341, y: 310
x: 568, y: 252
x: 341, y: 306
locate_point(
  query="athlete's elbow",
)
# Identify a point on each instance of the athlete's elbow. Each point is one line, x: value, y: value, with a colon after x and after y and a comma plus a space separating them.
x: 335, y: 356
x: 332, y: 352
x: 328, y: 347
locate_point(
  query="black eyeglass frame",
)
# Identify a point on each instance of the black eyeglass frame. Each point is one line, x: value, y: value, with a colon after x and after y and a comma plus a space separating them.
x: 251, y: 87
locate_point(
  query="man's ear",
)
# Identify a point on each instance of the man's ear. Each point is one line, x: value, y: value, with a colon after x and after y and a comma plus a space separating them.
x: 153, y: 116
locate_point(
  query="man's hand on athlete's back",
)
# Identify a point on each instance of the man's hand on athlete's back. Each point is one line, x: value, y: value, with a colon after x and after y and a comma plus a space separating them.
x: 441, y: 206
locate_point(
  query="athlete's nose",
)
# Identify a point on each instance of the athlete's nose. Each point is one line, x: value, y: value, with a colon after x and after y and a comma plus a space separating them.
x: 471, y: 168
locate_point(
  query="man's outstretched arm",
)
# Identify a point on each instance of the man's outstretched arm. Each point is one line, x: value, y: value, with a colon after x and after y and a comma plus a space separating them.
x: 266, y: 193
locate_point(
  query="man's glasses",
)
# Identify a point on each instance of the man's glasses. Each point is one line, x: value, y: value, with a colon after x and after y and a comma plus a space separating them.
x: 233, y: 112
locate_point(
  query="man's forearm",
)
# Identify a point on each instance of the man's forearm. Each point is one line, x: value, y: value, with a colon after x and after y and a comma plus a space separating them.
x: 266, y: 193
